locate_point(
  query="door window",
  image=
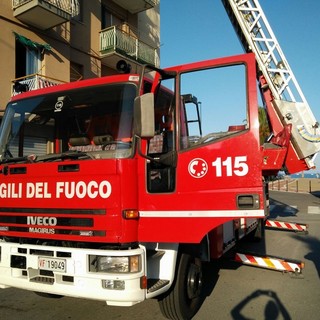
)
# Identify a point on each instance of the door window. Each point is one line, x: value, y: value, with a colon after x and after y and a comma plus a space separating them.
x: 221, y: 104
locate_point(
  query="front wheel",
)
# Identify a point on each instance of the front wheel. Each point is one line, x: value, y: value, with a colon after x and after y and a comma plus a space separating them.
x: 185, y: 297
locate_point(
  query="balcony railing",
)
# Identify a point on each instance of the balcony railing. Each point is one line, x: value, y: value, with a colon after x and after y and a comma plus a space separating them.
x: 69, y: 6
x: 115, y: 40
x: 33, y: 82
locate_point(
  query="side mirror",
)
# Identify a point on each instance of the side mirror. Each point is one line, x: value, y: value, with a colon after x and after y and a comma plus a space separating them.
x: 144, y: 116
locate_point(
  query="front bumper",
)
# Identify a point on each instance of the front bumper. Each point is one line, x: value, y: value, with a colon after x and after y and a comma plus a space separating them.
x: 19, y: 267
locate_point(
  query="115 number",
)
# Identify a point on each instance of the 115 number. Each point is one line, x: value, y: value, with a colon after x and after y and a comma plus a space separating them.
x: 237, y: 166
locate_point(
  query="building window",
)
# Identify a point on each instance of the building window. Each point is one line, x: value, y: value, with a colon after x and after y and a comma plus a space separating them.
x: 76, y: 71
x: 108, y: 19
x: 27, y: 60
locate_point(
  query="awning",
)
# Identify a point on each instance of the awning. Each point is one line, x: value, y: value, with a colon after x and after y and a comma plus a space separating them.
x: 32, y: 44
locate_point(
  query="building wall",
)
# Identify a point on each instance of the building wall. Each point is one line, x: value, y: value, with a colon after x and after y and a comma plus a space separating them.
x: 73, y: 44
x: 54, y: 64
x: 7, y: 63
x: 149, y: 26
x: 85, y: 39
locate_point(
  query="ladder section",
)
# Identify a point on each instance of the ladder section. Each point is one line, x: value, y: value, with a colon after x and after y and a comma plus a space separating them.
x: 290, y: 103
x: 258, y: 37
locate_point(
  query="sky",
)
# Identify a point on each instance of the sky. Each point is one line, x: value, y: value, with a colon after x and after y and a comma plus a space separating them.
x: 195, y: 30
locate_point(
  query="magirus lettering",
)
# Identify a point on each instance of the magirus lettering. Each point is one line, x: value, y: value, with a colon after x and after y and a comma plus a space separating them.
x: 41, y: 221
x: 42, y: 230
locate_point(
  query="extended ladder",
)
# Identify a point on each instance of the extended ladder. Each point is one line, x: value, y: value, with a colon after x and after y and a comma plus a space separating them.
x: 292, y: 107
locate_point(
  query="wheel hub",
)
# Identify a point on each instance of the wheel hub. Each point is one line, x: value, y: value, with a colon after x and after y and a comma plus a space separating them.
x: 194, y: 281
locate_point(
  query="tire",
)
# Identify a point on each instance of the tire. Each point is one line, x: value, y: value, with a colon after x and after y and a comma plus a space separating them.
x: 185, y: 297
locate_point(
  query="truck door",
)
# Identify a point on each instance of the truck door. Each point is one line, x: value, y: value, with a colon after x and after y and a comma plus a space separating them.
x: 219, y: 166
x: 216, y: 175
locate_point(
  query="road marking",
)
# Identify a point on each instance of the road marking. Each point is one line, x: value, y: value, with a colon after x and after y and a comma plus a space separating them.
x: 313, y: 210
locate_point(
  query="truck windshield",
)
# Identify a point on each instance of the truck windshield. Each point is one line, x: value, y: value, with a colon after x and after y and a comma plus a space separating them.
x: 95, y: 122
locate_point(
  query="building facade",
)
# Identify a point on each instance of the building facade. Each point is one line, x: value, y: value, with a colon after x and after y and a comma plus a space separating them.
x: 47, y: 42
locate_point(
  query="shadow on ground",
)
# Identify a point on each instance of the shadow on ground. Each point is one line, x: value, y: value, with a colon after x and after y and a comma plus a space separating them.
x: 274, y: 309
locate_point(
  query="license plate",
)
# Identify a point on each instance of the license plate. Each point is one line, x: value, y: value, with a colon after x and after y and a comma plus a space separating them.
x: 52, y: 264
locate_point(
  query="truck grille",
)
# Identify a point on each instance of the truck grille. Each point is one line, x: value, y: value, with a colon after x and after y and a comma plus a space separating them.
x: 52, y: 222
x: 44, y: 280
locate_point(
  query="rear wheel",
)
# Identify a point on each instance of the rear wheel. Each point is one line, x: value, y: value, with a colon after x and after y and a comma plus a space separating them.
x: 185, y: 297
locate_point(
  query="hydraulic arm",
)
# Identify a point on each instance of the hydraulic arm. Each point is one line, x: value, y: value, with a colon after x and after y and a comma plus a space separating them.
x: 284, y: 99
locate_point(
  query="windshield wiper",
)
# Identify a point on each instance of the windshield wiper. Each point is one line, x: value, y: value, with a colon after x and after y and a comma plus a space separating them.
x: 24, y: 159
x: 71, y: 154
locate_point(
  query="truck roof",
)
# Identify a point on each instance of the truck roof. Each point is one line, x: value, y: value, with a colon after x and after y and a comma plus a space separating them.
x: 78, y: 84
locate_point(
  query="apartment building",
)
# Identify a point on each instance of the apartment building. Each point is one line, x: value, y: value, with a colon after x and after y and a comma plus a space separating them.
x: 47, y: 42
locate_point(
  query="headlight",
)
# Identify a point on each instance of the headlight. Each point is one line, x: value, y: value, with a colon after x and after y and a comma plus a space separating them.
x: 116, y: 264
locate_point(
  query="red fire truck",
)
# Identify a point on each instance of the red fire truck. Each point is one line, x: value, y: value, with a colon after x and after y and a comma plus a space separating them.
x: 120, y: 188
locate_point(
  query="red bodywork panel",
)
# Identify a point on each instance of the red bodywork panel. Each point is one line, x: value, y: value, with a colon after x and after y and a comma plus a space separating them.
x: 74, y: 201
x: 200, y: 204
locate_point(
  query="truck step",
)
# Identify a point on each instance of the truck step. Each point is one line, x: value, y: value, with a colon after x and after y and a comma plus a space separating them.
x: 270, y: 262
x: 288, y: 226
x: 154, y: 254
x: 156, y: 284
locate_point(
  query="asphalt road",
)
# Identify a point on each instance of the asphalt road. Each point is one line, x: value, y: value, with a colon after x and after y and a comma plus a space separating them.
x: 234, y: 291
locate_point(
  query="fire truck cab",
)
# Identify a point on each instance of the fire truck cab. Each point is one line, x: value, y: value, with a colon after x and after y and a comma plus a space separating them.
x: 139, y: 182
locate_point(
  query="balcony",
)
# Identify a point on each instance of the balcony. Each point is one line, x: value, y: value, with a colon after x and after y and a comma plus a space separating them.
x: 45, y: 14
x: 136, y: 6
x: 33, y: 82
x: 116, y: 44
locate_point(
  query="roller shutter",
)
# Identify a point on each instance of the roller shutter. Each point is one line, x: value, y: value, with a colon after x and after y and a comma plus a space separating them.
x: 32, y: 145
